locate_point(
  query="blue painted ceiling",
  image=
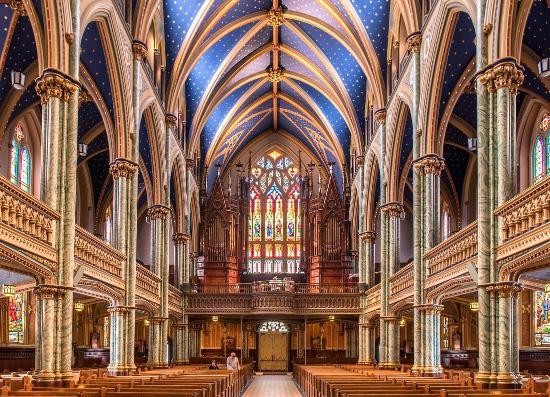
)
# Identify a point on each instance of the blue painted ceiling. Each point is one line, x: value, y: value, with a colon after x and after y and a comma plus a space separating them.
x: 537, y: 30
x: 326, y: 76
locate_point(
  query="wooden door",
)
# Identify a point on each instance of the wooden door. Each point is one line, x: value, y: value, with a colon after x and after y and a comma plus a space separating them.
x: 273, y: 352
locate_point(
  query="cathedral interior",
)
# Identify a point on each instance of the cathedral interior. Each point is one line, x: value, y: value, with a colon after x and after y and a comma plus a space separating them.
x: 337, y: 184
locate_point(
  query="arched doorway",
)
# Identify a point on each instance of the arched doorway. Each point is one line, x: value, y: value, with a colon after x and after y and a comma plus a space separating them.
x: 273, y: 339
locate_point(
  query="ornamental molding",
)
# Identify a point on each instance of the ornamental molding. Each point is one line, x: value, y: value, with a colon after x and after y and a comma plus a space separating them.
x: 139, y: 49
x: 505, y: 73
x: 171, y: 121
x: 275, y: 16
x: 274, y: 75
x: 393, y: 209
x: 158, y: 212
x: 429, y: 308
x: 505, y: 289
x: 56, y: 84
x: 50, y: 291
x: 122, y: 168
x: 414, y: 41
x: 180, y: 238
x: 429, y: 164
x: 380, y: 116
x: 18, y: 6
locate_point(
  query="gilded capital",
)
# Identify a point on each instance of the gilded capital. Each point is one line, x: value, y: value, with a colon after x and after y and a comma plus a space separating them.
x: 117, y: 309
x: 18, y: 6
x: 275, y: 16
x: 414, y: 42
x: 274, y: 75
x: 180, y: 238
x: 54, y: 83
x: 545, y: 123
x: 393, y: 209
x: 122, y: 168
x: 171, y: 121
x: 158, y: 212
x: 429, y: 164
x: 368, y: 236
x: 508, y: 74
x: 139, y: 49
x: 46, y: 291
x: 380, y: 116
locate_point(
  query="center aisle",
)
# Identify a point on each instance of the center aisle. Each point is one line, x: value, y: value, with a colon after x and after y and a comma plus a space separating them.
x: 272, y: 386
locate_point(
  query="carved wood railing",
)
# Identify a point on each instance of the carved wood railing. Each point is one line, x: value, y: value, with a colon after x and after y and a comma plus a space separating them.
x: 458, y: 248
x: 526, y: 211
x: 275, y: 287
x: 147, y: 284
x: 402, y: 280
x: 174, y: 299
x: 97, y: 254
x: 29, y: 223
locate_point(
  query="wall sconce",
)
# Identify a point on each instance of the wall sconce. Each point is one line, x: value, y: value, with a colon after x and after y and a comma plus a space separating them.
x: 17, y: 79
x: 331, y: 318
x: 474, y: 306
x: 215, y: 319
x: 79, y: 306
x: 8, y: 290
x: 82, y: 149
x: 402, y: 322
x: 146, y: 323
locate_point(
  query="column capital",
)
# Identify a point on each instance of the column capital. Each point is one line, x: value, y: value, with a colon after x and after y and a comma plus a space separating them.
x: 504, y: 73
x: 393, y: 209
x: 157, y: 320
x: 180, y: 238
x: 429, y: 164
x: 47, y: 291
x: 179, y: 325
x: 414, y: 41
x: 158, y: 212
x: 18, y: 6
x: 122, y: 168
x: 545, y: 123
x: 171, y: 121
x: 119, y: 309
x: 390, y: 318
x: 380, y: 116
x: 430, y: 308
x: 139, y: 48
x: 55, y: 83
x: 505, y: 289
x: 275, y: 16
x: 360, y: 160
x: 368, y: 236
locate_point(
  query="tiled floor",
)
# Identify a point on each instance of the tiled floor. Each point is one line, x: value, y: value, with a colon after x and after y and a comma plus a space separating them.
x: 272, y: 386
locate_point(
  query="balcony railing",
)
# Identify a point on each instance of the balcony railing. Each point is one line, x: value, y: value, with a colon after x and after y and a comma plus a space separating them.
x: 97, y: 254
x: 174, y: 299
x: 147, y: 283
x: 26, y: 215
x: 275, y: 287
x: 402, y: 280
x: 526, y: 211
x: 458, y: 248
x: 372, y: 298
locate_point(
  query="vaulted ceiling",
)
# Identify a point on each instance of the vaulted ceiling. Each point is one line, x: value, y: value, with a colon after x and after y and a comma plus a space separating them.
x: 304, y: 68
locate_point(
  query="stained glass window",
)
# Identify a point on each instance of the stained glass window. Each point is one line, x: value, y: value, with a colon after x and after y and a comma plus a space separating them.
x: 16, y: 318
x: 542, y: 318
x: 538, y: 158
x: 20, y: 160
x: 274, y: 223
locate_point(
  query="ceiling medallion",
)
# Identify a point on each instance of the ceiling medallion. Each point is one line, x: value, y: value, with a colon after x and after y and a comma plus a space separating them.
x: 275, y: 16
x: 274, y: 75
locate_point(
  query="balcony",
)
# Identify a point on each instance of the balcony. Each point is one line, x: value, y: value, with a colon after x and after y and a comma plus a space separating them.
x: 525, y: 220
x: 147, y: 284
x: 273, y: 297
x: 401, y: 283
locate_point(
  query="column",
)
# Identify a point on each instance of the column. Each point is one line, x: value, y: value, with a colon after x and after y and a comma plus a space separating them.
x: 46, y: 296
x: 155, y: 358
x: 124, y: 172
x: 393, y: 342
x: 414, y: 42
x: 117, y: 321
x: 380, y: 117
x: 428, y: 169
x: 431, y: 356
x: 181, y: 340
x: 361, y: 359
x: 369, y: 343
x: 368, y: 240
x: 158, y: 215
x: 59, y: 95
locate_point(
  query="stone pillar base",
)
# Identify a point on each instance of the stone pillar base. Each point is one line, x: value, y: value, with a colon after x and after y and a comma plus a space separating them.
x: 117, y: 370
x: 431, y: 371
x: 389, y: 365
x: 508, y: 380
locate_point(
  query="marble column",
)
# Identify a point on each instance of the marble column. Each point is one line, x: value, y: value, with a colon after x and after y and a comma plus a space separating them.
x: 393, y: 353
x: 380, y: 117
x: 361, y: 359
x: 123, y: 172
x: 428, y: 169
x: 369, y: 343
x: 59, y: 95
x: 155, y: 358
x: 159, y: 216
x: 431, y: 356
x: 181, y: 342
x: 117, y: 321
x: 414, y: 43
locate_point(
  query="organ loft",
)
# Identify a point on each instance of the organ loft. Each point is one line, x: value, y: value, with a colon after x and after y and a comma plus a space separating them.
x: 274, y: 197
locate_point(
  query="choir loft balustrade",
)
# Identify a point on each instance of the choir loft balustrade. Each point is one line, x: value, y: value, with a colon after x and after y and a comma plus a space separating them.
x: 401, y: 283
x: 268, y: 297
x: 525, y: 220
